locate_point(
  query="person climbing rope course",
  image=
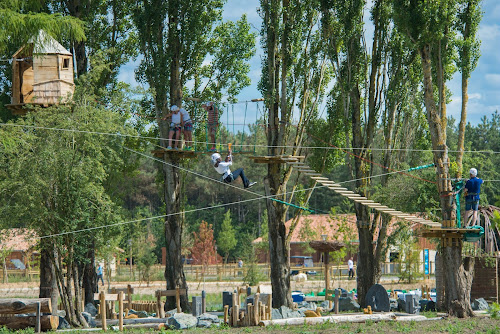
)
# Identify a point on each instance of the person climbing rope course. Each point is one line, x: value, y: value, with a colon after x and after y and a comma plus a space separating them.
x: 472, y: 190
x: 222, y: 167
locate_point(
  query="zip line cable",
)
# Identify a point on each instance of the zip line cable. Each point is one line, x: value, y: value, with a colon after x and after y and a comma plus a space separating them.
x: 208, y: 207
x: 243, y: 145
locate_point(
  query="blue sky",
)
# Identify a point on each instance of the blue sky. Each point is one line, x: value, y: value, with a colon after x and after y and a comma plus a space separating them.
x: 484, y: 84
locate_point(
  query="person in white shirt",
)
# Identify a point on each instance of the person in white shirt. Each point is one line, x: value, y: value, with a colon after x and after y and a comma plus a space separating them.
x: 350, y: 265
x: 222, y: 167
x: 175, y: 128
x: 187, y: 126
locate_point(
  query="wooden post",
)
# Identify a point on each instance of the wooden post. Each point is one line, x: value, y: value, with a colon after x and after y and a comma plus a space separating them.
x: 256, y: 301
x: 129, y: 296
x: 337, y: 297
x: 226, y: 313
x: 234, y: 310
x: 120, y: 310
x: 270, y: 315
x: 178, y: 299
x: 327, y: 276
x: 102, y: 307
x: 203, y: 301
x: 38, y: 325
x: 158, y: 303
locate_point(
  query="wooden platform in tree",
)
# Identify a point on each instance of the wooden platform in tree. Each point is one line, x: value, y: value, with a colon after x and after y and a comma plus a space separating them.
x: 447, y: 232
x: 22, y: 108
x: 277, y: 159
x: 159, y: 153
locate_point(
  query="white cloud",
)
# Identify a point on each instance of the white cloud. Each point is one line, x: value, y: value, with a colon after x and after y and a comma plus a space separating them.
x: 475, y: 96
x: 493, y: 79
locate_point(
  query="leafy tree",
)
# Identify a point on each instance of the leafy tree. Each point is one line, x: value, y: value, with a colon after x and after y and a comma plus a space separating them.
x: 174, y: 40
x: 467, y: 23
x: 203, y: 251
x: 294, y: 75
x: 226, y: 241
x: 409, y: 252
x: 430, y: 28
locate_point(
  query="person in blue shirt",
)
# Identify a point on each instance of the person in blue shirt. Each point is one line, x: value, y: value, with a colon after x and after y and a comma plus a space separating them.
x: 100, y: 274
x: 472, y: 190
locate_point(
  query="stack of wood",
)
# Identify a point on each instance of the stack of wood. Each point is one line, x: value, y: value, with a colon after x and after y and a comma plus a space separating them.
x: 259, y: 310
x: 11, y: 308
x: 148, y: 306
x: 426, y: 292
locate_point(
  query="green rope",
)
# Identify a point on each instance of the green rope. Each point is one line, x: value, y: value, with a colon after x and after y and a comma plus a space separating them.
x: 292, y: 205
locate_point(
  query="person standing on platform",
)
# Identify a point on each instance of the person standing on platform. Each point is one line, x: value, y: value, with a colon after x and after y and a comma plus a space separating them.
x: 472, y: 190
x: 187, y: 126
x: 175, y: 128
x: 213, y: 121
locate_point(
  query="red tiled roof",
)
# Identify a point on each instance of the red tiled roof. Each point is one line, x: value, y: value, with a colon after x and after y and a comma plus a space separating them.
x: 17, y: 239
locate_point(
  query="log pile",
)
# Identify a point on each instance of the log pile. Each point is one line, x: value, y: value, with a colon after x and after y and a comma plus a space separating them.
x: 12, y: 314
x: 256, y: 312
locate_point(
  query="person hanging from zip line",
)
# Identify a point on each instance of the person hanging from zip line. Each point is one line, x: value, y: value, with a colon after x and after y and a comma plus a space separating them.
x: 471, y: 193
x: 187, y: 126
x: 222, y: 167
x: 175, y: 128
x: 212, y: 122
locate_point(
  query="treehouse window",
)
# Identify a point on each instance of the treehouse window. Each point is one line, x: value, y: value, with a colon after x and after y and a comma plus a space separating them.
x: 65, y: 64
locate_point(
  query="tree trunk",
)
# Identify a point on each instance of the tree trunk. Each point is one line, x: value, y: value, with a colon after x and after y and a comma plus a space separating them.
x: 457, y: 272
x: 439, y: 274
x: 278, y: 247
x: 48, y: 280
x: 174, y: 269
x: 90, y: 276
x: 461, y: 126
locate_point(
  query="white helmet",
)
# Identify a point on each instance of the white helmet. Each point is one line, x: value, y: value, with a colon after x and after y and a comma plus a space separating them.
x: 473, y: 172
x: 174, y: 108
x: 215, y: 156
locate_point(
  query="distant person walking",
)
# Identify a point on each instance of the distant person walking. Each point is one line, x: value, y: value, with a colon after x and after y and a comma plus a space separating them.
x: 99, y: 275
x: 472, y: 190
x: 350, y: 265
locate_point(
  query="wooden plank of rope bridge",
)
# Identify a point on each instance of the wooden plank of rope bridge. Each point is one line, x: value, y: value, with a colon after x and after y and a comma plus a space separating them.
x: 318, y: 178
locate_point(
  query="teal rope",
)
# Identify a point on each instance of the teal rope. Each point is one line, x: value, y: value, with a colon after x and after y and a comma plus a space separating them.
x: 292, y: 205
x: 420, y: 167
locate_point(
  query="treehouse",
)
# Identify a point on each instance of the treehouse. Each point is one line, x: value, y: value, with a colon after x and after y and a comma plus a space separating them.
x: 42, y: 74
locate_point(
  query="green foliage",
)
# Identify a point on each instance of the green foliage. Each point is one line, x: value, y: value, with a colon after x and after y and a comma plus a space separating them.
x: 409, y: 252
x: 253, y: 274
x: 226, y: 240
x: 494, y: 310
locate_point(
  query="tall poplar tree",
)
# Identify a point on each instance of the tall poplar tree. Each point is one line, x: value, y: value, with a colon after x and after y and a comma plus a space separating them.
x: 429, y: 25
x: 174, y: 39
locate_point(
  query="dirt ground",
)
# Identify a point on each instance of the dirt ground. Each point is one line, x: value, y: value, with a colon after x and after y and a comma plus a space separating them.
x: 30, y: 289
